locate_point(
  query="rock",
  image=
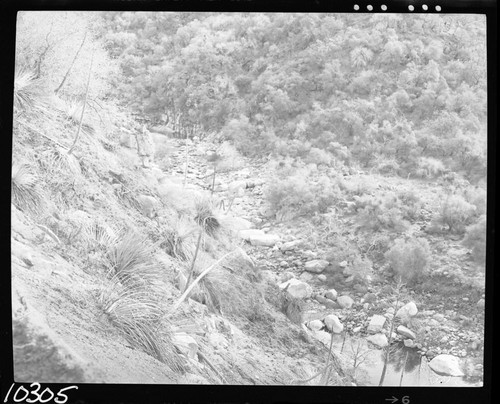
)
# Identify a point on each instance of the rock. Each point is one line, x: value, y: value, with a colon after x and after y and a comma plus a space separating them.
x: 379, y: 340
x: 405, y: 332
x: 306, y: 277
x: 236, y: 223
x: 322, y: 278
x: 331, y: 294
x: 309, y: 254
x: 481, y: 303
x: 186, y: 344
x: 345, y: 301
x: 408, y: 343
x: 315, y: 325
x: 217, y: 340
x: 148, y: 205
x: 290, y: 245
x: 323, y: 336
x: 258, y: 237
x: 40, y: 353
x: 407, y: 311
x: 297, y: 289
x: 285, y: 276
x: 266, y: 212
x: 438, y: 317
x: 446, y: 365
x: 370, y: 297
x: 316, y: 266
x: 376, y: 324
x: 333, y: 323
x: 357, y: 329
x: 343, y: 264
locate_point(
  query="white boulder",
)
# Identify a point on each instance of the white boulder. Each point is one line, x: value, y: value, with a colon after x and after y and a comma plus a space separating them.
x: 345, y: 301
x: 407, y: 311
x: 446, y: 365
x: 333, y: 323
x: 297, y: 288
x: 379, y: 340
x: 405, y: 332
x: 376, y: 324
x: 316, y: 266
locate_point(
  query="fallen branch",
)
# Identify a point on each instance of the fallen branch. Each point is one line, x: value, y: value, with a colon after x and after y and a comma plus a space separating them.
x: 198, y: 279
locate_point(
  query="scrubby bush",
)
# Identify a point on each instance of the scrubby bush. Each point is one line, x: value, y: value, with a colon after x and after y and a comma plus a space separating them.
x: 429, y: 167
x: 475, y: 239
x: 409, y: 258
x: 318, y: 156
x: 376, y: 213
x: 300, y: 196
x: 456, y: 213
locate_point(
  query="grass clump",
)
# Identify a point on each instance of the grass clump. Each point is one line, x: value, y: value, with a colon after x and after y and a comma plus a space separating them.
x: 409, y: 258
x: 26, y: 192
x: 205, y: 216
x: 132, y: 299
x: 179, y: 241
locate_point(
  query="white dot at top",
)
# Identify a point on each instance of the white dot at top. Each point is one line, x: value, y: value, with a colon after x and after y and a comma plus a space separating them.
x: 356, y: 7
x: 424, y: 7
x: 411, y: 8
x: 383, y: 7
x: 438, y: 8
x: 369, y: 7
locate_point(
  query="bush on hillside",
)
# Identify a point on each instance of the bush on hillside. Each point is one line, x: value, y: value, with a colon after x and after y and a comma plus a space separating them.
x: 298, y: 196
x: 409, y: 258
x: 377, y: 213
x: 456, y: 213
x: 475, y: 239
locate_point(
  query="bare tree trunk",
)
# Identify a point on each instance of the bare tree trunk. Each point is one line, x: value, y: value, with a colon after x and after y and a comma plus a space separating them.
x: 191, y: 270
x: 187, y: 158
x: 84, y: 105
x: 403, y: 370
x: 71, y: 65
x: 386, y: 356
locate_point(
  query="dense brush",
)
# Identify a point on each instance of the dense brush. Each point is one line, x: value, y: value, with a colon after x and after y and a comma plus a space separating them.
x: 26, y: 193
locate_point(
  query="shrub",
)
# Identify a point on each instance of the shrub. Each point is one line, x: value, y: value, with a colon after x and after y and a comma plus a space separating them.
x: 26, y: 193
x: 381, y: 213
x: 409, y: 258
x: 456, y: 213
x: 475, y: 239
x: 300, y: 196
x: 429, y: 167
x: 318, y: 156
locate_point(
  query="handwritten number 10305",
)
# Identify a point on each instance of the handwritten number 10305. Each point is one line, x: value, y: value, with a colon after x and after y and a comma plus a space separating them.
x: 22, y: 394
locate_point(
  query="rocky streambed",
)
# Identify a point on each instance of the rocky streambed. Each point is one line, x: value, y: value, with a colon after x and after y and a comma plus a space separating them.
x: 433, y: 342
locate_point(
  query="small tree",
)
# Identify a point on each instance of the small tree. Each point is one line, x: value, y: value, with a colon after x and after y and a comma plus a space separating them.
x: 409, y: 258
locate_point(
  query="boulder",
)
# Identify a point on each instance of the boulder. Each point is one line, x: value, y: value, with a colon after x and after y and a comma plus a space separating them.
x: 333, y: 323
x: 408, y: 343
x: 186, y: 344
x: 376, y: 324
x: 331, y: 294
x: 407, y: 311
x: 315, y: 325
x: 345, y: 301
x: 297, y: 289
x: 286, y: 276
x: 446, y: 365
x: 148, y: 205
x: 309, y: 254
x: 306, y: 277
x: 259, y: 238
x: 323, y: 336
x: 481, y: 303
x: 370, y: 297
x: 322, y: 278
x: 405, y: 332
x: 290, y: 245
x: 316, y: 266
x: 379, y: 340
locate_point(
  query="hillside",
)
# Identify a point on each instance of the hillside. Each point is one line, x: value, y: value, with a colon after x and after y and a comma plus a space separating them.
x: 264, y: 199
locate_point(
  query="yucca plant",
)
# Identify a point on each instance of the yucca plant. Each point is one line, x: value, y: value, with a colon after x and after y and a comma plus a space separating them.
x: 26, y: 192
x: 57, y: 160
x: 205, y: 216
x: 137, y: 314
x: 179, y: 241
x: 99, y: 235
x: 28, y: 93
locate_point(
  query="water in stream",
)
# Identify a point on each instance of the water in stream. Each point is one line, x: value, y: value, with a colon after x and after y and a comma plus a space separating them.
x: 406, y: 367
